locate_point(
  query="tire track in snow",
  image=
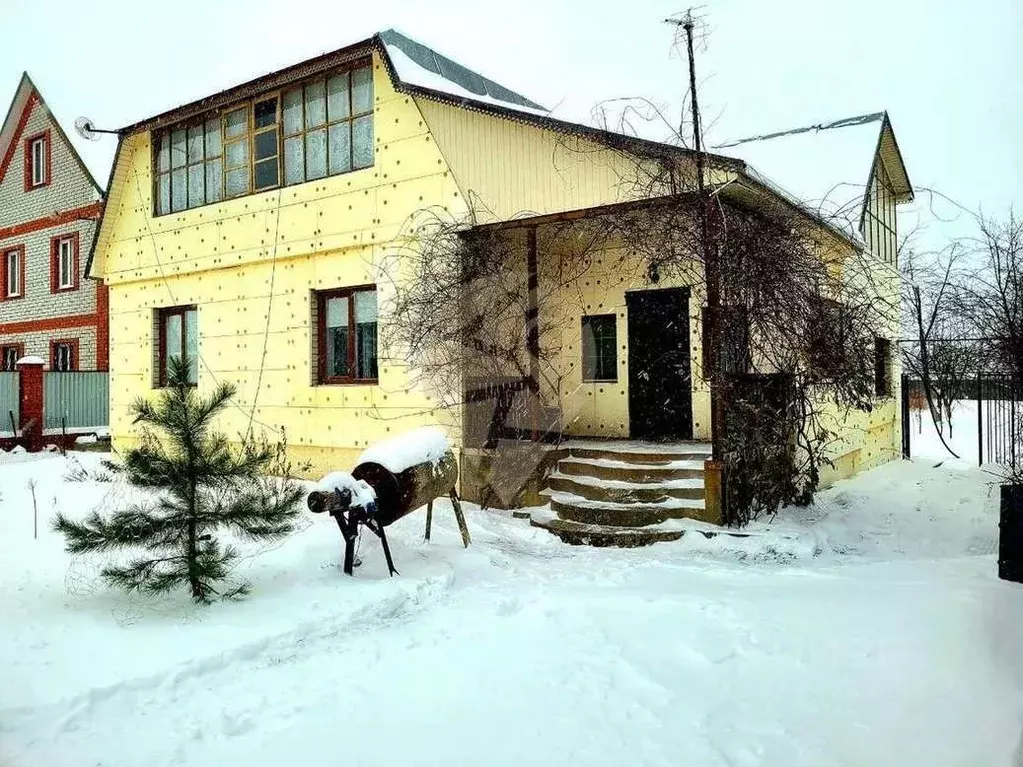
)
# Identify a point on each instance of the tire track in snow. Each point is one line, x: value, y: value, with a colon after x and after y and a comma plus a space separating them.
x: 306, y: 639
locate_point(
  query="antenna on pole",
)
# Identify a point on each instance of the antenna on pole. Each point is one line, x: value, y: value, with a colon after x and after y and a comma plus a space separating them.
x: 87, y: 129
x: 712, y: 272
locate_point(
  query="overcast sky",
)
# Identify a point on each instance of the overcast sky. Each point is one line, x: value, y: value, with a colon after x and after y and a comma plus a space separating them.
x: 949, y: 73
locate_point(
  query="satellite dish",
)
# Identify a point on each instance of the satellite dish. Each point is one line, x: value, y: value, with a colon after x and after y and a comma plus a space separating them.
x: 86, y: 129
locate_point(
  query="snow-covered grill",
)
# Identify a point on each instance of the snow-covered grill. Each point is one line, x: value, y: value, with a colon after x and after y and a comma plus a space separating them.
x: 392, y: 479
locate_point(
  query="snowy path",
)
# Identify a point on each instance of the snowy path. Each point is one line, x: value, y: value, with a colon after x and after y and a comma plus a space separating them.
x: 894, y: 645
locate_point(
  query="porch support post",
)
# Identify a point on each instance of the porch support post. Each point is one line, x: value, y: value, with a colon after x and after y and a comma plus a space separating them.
x: 30, y: 401
x: 533, y: 329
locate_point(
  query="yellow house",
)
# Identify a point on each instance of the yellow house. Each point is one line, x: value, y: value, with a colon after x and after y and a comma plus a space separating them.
x: 261, y: 229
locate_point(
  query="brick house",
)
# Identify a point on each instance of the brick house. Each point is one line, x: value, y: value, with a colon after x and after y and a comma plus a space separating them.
x: 49, y: 208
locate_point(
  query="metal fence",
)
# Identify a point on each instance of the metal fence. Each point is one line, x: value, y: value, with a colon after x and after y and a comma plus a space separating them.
x: 76, y: 400
x: 999, y: 412
x: 9, y: 400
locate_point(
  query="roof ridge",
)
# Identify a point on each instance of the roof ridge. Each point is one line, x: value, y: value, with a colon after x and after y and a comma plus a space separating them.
x: 844, y: 122
x: 455, y: 73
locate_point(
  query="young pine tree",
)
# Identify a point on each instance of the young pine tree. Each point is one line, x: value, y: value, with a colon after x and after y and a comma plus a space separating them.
x: 201, y: 486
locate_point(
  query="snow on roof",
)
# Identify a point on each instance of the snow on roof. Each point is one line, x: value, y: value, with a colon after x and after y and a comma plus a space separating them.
x: 824, y: 167
x: 416, y: 64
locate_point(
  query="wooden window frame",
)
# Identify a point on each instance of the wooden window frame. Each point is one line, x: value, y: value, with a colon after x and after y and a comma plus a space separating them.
x: 186, y: 167
x: 19, y: 352
x: 322, y: 296
x: 74, y: 345
x: 29, y: 160
x: 5, y: 270
x: 325, y: 126
x: 249, y: 137
x: 55, y: 243
x: 614, y: 324
x: 162, y: 314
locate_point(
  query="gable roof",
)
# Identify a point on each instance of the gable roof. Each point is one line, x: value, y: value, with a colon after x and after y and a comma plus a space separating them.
x: 26, y: 98
x: 827, y: 168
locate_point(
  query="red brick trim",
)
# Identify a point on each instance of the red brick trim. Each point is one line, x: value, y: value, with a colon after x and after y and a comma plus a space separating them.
x: 91, y: 212
x: 50, y: 323
x: 102, y: 326
x: 27, y: 158
x: 74, y: 343
x: 33, y: 99
x: 55, y: 286
x: 19, y: 352
x: 3, y: 272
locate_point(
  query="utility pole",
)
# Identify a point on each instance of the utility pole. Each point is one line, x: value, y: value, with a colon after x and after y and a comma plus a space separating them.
x: 714, y: 469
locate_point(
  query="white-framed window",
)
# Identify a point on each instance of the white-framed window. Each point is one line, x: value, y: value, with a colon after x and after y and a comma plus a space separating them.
x: 37, y: 149
x: 66, y: 263
x: 12, y: 273
x: 62, y: 356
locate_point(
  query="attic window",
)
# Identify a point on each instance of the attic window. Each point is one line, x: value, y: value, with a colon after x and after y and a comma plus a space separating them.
x: 318, y: 128
x: 37, y: 161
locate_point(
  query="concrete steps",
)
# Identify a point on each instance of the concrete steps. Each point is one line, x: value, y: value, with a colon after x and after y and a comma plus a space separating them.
x: 611, y: 494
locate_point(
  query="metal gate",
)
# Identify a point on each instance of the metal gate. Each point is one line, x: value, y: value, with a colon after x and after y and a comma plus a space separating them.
x: 10, y: 408
x: 999, y: 414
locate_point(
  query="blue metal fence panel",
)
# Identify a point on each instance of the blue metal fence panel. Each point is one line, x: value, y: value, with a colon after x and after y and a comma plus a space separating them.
x: 8, y: 400
x: 82, y: 399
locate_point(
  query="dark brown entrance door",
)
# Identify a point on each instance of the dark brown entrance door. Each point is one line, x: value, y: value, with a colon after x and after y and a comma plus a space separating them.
x: 660, y: 376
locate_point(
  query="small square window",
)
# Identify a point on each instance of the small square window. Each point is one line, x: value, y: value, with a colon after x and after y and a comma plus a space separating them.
x: 600, y: 348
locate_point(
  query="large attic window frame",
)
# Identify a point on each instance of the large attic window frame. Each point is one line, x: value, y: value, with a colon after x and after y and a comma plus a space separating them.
x: 272, y: 139
x: 879, y: 224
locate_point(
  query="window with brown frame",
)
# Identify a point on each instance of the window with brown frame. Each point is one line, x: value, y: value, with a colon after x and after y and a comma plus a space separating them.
x: 13, y: 267
x: 64, y: 255
x: 9, y: 356
x: 347, y: 335
x: 178, y: 335
x: 322, y: 127
x: 37, y: 161
x: 64, y: 356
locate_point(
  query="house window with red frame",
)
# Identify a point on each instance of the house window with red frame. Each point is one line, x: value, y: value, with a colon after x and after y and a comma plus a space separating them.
x: 13, y: 268
x: 347, y: 335
x: 64, y: 356
x: 9, y: 356
x: 37, y: 161
x: 64, y: 262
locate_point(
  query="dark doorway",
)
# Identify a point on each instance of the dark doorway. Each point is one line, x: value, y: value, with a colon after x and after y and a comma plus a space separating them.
x: 660, y: 376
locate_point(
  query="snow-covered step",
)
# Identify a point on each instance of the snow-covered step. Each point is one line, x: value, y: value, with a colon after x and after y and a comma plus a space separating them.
x: 626, y: 492
x: 627, y: 471
x: 639, y: 452
x: 586, y: 534
x: 578, y: 508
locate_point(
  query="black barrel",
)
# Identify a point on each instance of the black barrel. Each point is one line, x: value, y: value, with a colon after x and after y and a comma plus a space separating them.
x: 1010, y: 538
x: 404, y: 492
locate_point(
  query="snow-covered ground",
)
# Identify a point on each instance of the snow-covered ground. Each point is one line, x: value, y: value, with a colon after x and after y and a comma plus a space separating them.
x: 870, y: 629
x: 924, y: 440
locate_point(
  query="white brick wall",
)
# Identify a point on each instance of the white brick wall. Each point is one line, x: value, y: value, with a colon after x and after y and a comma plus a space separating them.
x: 70, y: 188
x: 38, y: 343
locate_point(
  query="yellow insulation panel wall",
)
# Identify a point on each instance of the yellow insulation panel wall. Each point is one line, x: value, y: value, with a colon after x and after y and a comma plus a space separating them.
x: 251, y: 265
